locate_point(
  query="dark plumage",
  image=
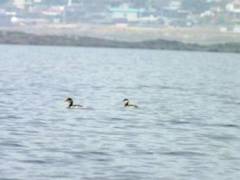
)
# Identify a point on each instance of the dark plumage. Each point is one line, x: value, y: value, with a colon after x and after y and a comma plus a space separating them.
x: 128, y: 104
x: 70, y: 103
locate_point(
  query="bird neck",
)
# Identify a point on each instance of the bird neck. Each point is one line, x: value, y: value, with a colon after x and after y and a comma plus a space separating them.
x: 70, y: 104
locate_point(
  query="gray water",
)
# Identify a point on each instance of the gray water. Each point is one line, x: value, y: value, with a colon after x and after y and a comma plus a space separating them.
x: 187, y: 126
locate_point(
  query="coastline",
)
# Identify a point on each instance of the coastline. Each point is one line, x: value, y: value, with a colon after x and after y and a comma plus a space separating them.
x: 26, y: 38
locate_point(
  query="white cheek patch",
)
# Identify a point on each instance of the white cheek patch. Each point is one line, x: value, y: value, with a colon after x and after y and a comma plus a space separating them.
x: 66, y: 103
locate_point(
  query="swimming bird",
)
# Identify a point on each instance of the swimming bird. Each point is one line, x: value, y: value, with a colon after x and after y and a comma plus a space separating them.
x: 127, y: 103
x: 71, y: 105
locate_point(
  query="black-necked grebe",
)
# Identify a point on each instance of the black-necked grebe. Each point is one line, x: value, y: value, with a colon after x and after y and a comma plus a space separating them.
x: 128, y: 104
x: 71, y: 105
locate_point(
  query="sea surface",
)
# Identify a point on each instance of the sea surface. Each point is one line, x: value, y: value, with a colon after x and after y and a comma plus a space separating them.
x: 187, y: 126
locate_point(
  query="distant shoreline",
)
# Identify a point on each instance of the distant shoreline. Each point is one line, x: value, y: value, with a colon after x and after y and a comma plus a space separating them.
x: 22, y: 38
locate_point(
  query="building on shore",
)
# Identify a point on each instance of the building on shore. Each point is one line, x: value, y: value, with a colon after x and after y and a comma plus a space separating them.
x: 124, y: 12
x: 22, y: 4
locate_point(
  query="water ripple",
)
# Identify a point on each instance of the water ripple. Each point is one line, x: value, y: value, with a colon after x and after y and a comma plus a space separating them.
x: 187, y: 124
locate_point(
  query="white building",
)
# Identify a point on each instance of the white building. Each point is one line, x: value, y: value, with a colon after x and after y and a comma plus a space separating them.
x: 21, y: 4
x: 125, y: 12
x: 174, y: 5
x: 234, y: 6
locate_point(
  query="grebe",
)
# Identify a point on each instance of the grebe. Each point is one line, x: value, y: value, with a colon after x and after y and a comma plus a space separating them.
x: 127, y: 104
x: 71, y: 105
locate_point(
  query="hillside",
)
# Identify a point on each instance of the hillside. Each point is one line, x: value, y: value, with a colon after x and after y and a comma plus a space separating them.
x: 7, y: 37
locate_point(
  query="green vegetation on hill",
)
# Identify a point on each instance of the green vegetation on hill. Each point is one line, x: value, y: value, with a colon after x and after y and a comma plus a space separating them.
x: 7, y: 37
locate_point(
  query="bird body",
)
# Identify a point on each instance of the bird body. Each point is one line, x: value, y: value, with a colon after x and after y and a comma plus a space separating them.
x: 128, y: 104
x: 71, y: 105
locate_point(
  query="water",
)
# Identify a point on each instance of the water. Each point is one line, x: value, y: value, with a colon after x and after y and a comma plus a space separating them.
x: 187, y: 126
